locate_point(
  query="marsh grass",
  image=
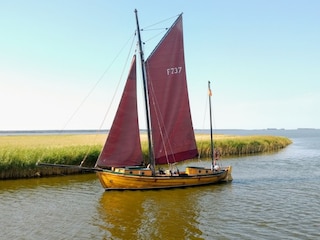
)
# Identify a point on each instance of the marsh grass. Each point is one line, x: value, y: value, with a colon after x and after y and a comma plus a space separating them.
x: 241, y: 145
x: 19, y: 154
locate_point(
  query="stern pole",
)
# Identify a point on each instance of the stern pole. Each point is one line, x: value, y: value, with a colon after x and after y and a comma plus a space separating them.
x: 211, y: 133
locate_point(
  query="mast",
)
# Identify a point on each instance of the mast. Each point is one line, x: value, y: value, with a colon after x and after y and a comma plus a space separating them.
x: 211, y: 134
x: 146, y: 100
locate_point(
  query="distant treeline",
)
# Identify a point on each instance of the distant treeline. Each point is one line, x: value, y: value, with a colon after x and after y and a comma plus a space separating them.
x: 19, y: 154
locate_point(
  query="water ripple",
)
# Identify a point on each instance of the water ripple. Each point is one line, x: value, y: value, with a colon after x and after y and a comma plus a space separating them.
x: 273, y: 196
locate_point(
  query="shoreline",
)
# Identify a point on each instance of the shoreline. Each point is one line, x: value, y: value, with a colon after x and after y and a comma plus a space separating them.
x: 19, y: 154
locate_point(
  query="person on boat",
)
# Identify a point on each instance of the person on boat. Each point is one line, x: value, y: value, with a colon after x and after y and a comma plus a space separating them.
x: 216, y: 167
x: 161, y: 171
x: 216, y: 154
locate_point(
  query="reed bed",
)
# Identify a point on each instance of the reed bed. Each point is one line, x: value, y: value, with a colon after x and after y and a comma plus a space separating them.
x: 241, y: 145
x: 19, y: 154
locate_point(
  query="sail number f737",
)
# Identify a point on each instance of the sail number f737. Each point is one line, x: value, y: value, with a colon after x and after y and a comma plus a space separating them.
x: 174, y: 70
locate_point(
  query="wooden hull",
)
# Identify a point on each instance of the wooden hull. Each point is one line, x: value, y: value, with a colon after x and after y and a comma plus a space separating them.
x: 112, y: 180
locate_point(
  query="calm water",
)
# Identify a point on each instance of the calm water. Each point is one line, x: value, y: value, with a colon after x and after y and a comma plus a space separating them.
x: 274, y: 196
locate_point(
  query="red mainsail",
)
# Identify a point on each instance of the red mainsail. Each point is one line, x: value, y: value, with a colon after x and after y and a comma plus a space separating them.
x: 122, y: 147
x: 172, y: 130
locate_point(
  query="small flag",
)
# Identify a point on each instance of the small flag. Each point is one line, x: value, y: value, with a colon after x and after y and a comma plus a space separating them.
x: 209, y: 89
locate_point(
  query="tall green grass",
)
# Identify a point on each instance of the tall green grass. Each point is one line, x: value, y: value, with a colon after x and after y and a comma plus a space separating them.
x: 242, y: 145
x: 19, y: 154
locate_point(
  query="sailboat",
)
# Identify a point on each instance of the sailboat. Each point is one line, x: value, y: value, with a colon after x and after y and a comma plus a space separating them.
x: 171, y: 137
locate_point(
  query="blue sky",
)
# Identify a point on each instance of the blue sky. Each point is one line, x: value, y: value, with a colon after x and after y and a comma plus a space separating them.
x: 262, y: 58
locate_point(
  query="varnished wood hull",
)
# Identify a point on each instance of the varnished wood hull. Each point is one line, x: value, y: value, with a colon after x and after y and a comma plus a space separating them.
x: 112, y: 180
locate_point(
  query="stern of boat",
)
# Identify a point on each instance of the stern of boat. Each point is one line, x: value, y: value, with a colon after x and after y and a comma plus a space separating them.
x: 228, y: 178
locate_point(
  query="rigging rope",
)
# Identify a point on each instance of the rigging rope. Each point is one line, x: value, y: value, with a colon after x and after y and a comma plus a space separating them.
x: 120, y: 79
x: 216, y: 152
x: 163, y: 131
x: 167, y: 19
x: 96, y: 84
x: 203, y: 123
x: 161, y: 29
x: 204, y: 119
x: 156, y: 35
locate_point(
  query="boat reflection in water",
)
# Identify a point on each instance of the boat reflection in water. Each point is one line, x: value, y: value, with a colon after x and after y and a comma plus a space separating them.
x: 161, y: 214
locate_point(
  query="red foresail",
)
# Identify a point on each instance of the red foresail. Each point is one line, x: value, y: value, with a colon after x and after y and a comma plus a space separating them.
x: 122, y: 147
x: 172, y: 130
